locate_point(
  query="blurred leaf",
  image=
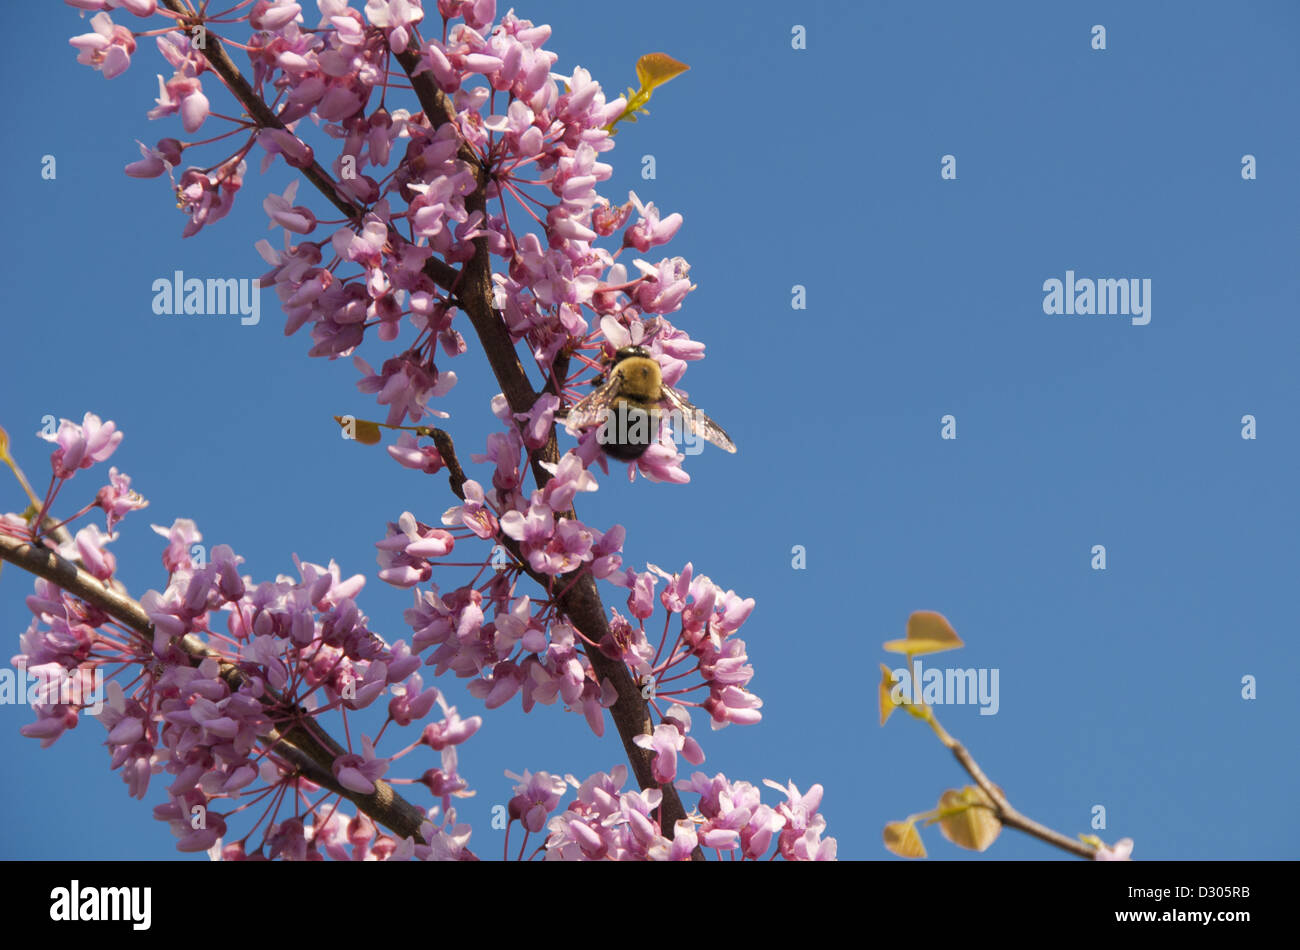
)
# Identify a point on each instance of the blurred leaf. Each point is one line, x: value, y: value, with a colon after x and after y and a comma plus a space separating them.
x: 655, y: 69
x: 362, y: 430
x: 887, y: 704
x: 927, y: 632
x: 972, y: 825
x: 652, y: 70
x: 902, y: 838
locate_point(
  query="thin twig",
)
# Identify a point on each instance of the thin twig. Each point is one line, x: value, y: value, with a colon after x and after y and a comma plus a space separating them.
x: 1003, y: 809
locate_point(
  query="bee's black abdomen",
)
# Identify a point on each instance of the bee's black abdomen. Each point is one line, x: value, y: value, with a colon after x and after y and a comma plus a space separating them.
x: 628, y: 431
x: 624, y: 453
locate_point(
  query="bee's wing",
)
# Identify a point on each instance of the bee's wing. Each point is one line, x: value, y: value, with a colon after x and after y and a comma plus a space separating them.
x: 592, y: 408
x: 697, y: 420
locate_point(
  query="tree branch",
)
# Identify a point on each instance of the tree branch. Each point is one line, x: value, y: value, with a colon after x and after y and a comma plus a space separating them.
x: 312, y: 753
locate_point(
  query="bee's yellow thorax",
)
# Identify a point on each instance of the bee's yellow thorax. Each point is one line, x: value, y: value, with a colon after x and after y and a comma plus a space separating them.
x: 639, y: 378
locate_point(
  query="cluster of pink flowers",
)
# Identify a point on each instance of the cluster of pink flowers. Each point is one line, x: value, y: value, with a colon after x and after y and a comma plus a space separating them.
x: 308, y: 643
x: 606, y: 823
x: 534, y: 144
x: 203, y: 722
x: 512, y: 644
x: 410, y: 177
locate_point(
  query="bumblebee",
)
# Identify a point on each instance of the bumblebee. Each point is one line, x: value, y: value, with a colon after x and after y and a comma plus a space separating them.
x: 629, y: 404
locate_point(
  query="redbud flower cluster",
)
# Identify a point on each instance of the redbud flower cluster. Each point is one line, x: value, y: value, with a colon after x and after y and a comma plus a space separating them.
x: 272, y: 657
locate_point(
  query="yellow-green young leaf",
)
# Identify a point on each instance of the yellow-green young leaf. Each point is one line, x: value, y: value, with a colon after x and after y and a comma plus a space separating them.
x: 363, y: 431
x: 4, y: 443
x: 655, y: 69
x: 927, y: 632
x: 887, y: 704
x: 902, y: 838
x: 974, y: 826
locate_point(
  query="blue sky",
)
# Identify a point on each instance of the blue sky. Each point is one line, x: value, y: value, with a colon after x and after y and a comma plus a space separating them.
x: 821, y: 168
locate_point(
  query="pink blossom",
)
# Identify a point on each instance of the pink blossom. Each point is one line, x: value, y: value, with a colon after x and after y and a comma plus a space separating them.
x: 405, y: 385
x: 661, y: 462
x: 451, y: 729
x: 569, y: 477
x: 162, y: 158
x: 408, y: 453
x: 358, y: 772
x: 81, y: 446
x: 536, y: 796
x: 1120, y: 852
x: 293, y: 218
x: 649, y: 231
x: 663, y: 286
x: 88, y: 546
x: 117, y: 498
x: 473, y: 514
x: 532, y: 527
x: 395, y: 17
x: 405, y: 553
x: 665, y: 743
x: 566, y: 550
x: 207, y: 198
x: 681, y: 847
x: 182, y: 536
x: 640, y: 598
x: 605, y: 556
x: 274, y: 14
x: 184, y: 95
x: 108, y: 49
x: 731, y: 704
x: 140, y: 8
